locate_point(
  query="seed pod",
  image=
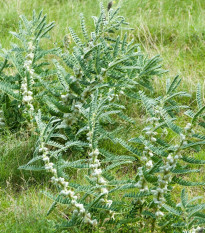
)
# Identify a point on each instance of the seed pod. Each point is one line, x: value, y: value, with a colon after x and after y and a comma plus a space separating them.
x: 109, y: 6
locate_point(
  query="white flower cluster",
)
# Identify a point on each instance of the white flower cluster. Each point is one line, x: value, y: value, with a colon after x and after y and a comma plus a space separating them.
x: 195, y: 230
x: 29, y: 60
x: 188, y: 129
x: 170, y: 163
x: 149, y: 130
x: 103, y: 71
x: 48, y: 165
x: 158, y: 193
x: 65, y: 98
x: 183, y: 138
x: 68, y: 119
x: 158, y: 109
x: 2, y: 122
x: 111, y: 94
x: 122, y: 91
x: 79, y: 208
x: 153, y: 120
x: 28, y: 95
x: 147, y: 154
x: 100, y: 77
x: 141, y: 184
x: 159, y: 213
x: 165, y: 132
x: 164, y: 179
x: 76, y: 108
x: 96, y: 171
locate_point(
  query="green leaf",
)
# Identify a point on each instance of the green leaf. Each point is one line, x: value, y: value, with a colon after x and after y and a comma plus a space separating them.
x: 32, y: 168
x: 172, y: 210
x: 198, y: 114
x: 195, y: 209
x: 7, y: 88
x: 114, y: 165
x: 128, y: 147
x: 184, y: 171
x: 185, y: 182
x: 137, y: 195
x: 184, y: 197
x: 199, y: 96
x: 173, y: 86
x: 193, y: 160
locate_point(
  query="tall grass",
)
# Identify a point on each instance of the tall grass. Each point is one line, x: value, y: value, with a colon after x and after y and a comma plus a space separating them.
x: 24, y: 212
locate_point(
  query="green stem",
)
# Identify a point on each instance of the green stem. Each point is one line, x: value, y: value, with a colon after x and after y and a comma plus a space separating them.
x: 140, y: 212
x: 153, y: 225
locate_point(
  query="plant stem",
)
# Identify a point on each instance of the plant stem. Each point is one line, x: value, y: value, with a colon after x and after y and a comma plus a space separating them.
x: 153, y: 225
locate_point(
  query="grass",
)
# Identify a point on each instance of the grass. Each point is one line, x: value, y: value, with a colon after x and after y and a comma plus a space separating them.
x: 14, y: 152
x: 174, y: 29
x: 24, y: 212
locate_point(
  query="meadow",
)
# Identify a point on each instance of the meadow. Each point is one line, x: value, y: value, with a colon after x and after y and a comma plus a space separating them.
x: 172, y: 29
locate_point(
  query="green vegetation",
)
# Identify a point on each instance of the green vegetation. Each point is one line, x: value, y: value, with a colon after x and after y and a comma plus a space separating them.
x: 173, y: 29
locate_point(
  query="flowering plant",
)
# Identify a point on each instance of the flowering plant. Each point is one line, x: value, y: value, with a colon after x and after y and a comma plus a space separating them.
x: 22, y: 86
x: 85, y: 109
x: 163, y: 165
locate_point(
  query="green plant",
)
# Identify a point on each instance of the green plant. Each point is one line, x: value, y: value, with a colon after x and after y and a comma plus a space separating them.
x: 101, y: 60
x: 163, y: 163
x: 95, y: 196
x: 86, y: 99
x: 23, y: 68
x: 163, y: 160
x: 187, y: 212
